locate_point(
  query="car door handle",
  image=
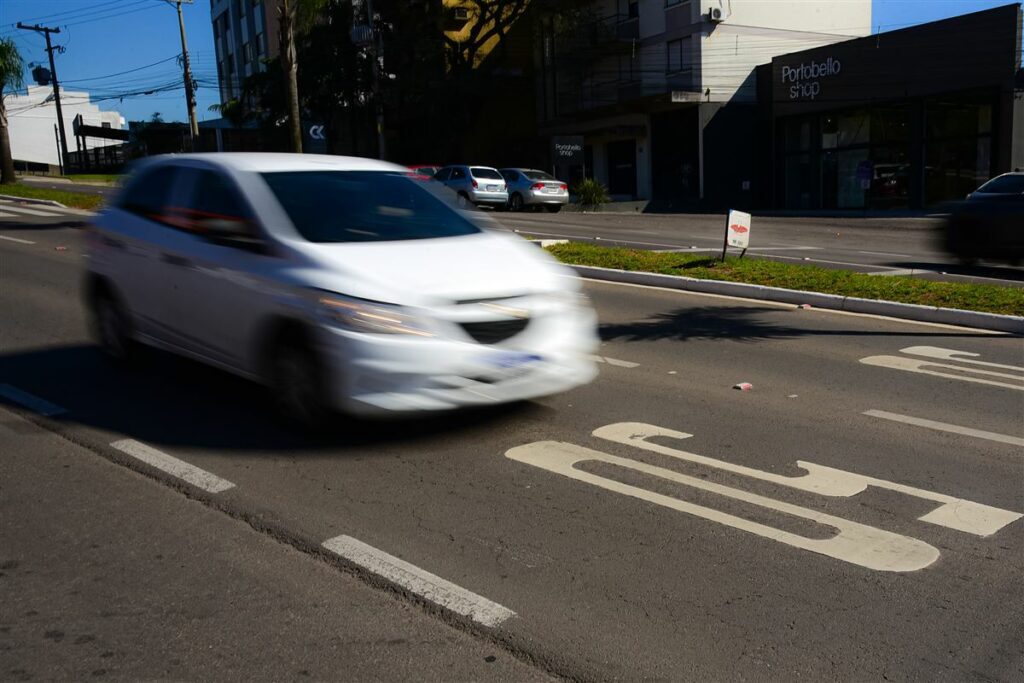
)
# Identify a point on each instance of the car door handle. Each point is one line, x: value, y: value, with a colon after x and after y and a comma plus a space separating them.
x: 175, y: 260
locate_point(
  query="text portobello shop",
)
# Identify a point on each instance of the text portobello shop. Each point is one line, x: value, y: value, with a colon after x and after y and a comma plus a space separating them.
x: 899, y: 120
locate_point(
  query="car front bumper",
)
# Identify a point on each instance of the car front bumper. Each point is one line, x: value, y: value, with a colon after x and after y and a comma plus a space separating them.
x: 379, y: 375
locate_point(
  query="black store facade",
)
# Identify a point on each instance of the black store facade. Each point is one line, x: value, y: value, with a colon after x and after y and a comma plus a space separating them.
x: 901, y: 120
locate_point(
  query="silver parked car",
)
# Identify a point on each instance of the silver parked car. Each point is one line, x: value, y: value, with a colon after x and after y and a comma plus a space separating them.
x: 479, y: 185
x: 532, y: 188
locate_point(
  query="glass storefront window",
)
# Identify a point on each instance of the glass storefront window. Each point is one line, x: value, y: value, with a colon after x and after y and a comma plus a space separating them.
x: 950, y: 117
x: 798, y: 134
x: 953, y: 168
x: 799, y: 190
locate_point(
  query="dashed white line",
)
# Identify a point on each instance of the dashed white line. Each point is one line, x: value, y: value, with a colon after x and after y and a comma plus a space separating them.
x: 27, y: 400
x: 173, y: 466
x: 14, y: 239
x: 614, y: 361
x: 901, y: 271
x: 885, y: 253
x: 945, y: 427
x: 419, y: 581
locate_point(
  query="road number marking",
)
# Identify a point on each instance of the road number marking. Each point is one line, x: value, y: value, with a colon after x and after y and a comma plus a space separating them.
x: 953, y: 513
x: 855, y: 543
x: 998, y: 377
x: 944, y: 427
x: 419, y: 581
x: 199, y: 478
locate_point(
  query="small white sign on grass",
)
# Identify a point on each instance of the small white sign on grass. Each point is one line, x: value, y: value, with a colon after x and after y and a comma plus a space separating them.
x: 737, y: 231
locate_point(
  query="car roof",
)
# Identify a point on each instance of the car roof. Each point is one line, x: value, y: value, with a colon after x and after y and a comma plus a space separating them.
x: 268, y: 162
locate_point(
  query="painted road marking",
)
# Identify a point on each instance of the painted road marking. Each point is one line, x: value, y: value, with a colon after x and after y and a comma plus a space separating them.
x: 953, y: 513
x: 944, y: 427
x: 902, y: 271
x: 958, y: 356
x: 927, y: 367
x: 885, y: 253
x: 29, y: 212
x: 614, y: 361
x: 7, y: 215
x: 14, y: 239
x: 27, y: 400
x: 173, y: 466
x: 419, y: 581
x: 854, y: 543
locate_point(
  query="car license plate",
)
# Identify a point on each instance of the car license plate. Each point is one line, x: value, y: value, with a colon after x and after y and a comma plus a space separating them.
x: 507, y: 361
x: 492, y: 188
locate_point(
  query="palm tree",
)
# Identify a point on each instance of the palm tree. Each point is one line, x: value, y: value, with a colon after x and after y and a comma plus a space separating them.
x: 11, y: 76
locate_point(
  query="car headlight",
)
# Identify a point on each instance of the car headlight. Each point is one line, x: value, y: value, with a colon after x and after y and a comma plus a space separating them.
x: 360, y: 315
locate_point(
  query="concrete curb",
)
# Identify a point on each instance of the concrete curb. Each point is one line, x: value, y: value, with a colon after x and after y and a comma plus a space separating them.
x: 32, y: 200
x: 929, y: 314
x: 48, y: 202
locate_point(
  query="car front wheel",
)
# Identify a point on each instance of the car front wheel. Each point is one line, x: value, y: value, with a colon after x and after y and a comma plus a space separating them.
x: 111, y: 326
x: 297, y: 385
x: 516, y: 202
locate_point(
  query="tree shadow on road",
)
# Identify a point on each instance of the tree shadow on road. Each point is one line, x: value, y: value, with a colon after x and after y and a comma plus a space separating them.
x: 166, y: 400
x: 744, y: 324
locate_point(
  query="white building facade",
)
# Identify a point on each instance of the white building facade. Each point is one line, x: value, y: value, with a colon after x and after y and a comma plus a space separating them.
x: 32, y: 121
x: 665, y: 91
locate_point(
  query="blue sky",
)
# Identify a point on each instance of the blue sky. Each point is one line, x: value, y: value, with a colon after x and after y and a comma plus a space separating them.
x: 107, y: 37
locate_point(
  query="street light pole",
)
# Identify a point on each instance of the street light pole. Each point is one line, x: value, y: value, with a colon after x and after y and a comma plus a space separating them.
x: 56, y: 88
x: 190, y: 98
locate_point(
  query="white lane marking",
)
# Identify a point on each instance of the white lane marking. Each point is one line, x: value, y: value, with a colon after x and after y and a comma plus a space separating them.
x: 953, y: 513
x: 14, y: 239
x: 419, y: 581
x: 928, y: 367
x: 30, y: 212
x: 27, y: 400
x: 7, y: 215
x: 614, y: 361
x: 173, y: 466
x: 885, y: 253
x: 956, y: 356
x: 902, y: 271
x: 945, y: 427
x: 855, y: 543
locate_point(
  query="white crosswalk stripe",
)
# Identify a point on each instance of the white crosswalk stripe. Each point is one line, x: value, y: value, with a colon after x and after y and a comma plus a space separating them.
x: 15, y: 210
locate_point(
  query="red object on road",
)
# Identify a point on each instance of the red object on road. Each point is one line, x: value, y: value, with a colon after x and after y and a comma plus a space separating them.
x: 743, y: 386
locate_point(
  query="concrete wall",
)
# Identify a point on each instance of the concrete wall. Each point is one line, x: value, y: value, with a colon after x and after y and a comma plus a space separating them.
x: 32, y: 120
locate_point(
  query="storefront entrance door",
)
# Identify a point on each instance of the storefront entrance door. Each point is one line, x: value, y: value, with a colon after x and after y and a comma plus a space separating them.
x: 622, y: 167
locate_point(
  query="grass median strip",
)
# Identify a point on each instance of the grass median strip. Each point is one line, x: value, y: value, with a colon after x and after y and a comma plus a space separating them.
x: 77, y: 200
x: 964, y: 296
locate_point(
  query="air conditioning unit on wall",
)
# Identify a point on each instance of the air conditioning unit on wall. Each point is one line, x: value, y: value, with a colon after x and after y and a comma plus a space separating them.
x: 717, y: 15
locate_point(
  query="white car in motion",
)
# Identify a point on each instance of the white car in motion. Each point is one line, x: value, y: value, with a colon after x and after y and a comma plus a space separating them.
x: 343, y: 283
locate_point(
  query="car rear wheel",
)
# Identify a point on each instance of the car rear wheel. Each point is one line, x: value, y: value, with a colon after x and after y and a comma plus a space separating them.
x: 515, y: 203
x: 297, y: 384
x: 112, y: 326
x: 463, y: 201
x: 553, y: 208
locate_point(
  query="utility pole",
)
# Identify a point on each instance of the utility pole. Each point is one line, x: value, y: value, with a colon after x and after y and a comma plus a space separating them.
x: 190, y: 96
x: 378, y: 56
x: 56, y: 86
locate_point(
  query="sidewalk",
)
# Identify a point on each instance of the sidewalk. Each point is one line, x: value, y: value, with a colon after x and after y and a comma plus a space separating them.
x: 105, y: 573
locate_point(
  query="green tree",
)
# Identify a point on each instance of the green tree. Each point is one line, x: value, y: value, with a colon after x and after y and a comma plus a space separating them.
x: 12, y: 77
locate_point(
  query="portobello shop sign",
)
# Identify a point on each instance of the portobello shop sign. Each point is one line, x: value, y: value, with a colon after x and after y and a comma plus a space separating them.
x: 804, y: 81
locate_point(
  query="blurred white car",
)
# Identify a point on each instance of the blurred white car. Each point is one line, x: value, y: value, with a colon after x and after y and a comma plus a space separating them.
x: 343, y: 283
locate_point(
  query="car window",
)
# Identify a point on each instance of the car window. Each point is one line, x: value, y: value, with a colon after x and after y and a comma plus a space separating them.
x: 485, y: 173
x: 538, y: 175
x: 212, y: 205
x: 458, y: 173
x: 443, y: 174
x: 366, y: 206
x: 1009, y: 184
x: 509, y: 176
x: 149, y: 194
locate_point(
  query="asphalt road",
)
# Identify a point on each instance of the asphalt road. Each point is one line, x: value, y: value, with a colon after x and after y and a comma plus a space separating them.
x: 698, y: 554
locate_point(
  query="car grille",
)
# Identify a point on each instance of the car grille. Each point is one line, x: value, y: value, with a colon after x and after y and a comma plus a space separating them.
x: 495, y: 331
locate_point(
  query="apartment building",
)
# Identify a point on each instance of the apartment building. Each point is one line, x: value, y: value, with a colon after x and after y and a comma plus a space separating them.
x: 244, y: 34
x: 665, y: 91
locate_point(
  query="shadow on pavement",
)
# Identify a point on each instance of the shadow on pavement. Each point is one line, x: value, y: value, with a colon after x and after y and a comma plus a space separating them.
x: 163, y: 399
x: 738, y: 323
x: 54, y: 225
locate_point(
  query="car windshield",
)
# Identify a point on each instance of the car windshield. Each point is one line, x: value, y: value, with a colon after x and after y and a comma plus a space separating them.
x: 426, y: 170
x: 1007, y: 184
x: 485, y: 173
x: 365, y: 206
x: 538, y: 175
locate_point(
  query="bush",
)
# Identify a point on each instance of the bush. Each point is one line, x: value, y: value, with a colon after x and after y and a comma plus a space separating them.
x: 590, y: 194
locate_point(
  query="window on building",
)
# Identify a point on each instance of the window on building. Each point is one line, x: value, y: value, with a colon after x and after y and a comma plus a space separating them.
x: 680, y: 54
x: 958, y: 145
x: 672, y: 3
x: 626, y: 68
x: 633, y: 9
